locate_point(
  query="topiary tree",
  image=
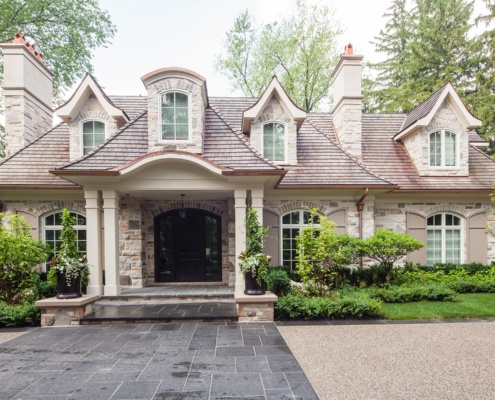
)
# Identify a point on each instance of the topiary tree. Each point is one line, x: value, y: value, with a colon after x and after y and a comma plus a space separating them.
x: 19, y: 253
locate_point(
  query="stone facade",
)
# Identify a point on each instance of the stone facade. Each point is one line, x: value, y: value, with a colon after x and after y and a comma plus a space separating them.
x: 348, y: 126
x: 275, y: 112
x: 91, y: 110
x: 196, y: 110
x: 26, y: 119
x: 418, y: 145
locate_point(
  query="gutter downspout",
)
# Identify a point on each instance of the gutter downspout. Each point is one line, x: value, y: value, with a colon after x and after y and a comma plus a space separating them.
x: 360, y: 207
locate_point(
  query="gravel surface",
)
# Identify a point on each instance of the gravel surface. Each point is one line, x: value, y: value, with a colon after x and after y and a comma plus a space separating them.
x: 7, y: 334
x: 402, y: 361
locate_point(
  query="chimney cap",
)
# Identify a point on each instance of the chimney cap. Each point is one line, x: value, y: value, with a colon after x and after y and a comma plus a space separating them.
x: 348, y: 50
x: 21, y: 39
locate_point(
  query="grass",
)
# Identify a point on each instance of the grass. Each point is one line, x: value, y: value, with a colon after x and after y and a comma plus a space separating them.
x: 474, y: 305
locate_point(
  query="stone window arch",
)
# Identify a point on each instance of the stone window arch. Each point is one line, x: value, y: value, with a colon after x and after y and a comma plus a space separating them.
x: 175, y: 116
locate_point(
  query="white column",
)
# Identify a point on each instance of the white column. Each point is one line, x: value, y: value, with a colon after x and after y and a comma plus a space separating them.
x: 257, y: 203
x: 112, y: 265
x: 240, y: 235
x: 93, y: 241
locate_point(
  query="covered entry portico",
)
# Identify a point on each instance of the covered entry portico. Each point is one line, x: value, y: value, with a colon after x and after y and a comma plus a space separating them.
x: 142, y: 232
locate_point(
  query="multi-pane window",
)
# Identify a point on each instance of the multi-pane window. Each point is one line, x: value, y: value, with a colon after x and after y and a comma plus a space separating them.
x: 443, y: 237
x: 175, y: 116
x: 52, y: 227
x: 443, y: 149
x: 93, y: 134
x: 292, y: 223
x: 274, y: 141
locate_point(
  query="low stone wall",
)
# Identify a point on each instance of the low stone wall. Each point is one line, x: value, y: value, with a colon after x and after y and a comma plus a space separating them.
x: 253, y: 308
x: 65, y: 312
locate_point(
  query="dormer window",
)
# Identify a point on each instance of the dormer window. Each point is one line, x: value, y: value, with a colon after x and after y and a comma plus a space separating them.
x: 274, y: 141
x: 93, y: 134
x: 175, y: 116
x: 443, y: 148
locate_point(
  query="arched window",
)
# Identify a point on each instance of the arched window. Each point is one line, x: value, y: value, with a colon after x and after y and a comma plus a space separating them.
x: 443, y: 148
x: 175, y: 116
x: 292, y: 223
x: 93, y: 134
x: 274, y: 141
x: 444, y: 240
x: 52, y: 226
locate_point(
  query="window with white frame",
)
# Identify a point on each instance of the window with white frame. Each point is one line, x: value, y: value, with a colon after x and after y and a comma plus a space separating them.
x: 443, y: 148
x: 292, y: 223
x: 93, y: 134
x: 175, y: 116
x: 444, y: 239
x: 52, y: 227
x: 274, y: 141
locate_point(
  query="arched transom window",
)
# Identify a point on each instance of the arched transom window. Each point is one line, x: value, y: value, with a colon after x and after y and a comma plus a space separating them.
x: 443, y: 148
x: 292, y: 223
x: 444, y: 239
x: 174, y: 116
x: 93, y: 134
x: 274, y: 141
x: 52, y: 227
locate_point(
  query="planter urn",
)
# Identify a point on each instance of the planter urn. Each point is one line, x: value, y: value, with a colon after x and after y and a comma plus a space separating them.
x: 252, y: 287
x: 66, y: 291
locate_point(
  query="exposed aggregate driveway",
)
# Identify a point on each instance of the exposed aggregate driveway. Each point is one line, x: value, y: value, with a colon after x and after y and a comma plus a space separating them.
x: 436, y: 360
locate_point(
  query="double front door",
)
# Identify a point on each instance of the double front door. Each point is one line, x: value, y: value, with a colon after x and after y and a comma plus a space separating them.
x: 188, y: 246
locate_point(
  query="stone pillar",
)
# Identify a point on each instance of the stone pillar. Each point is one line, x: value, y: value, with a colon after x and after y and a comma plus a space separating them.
x: 112, y: 265
x: 93, y: 240
x: 257, y: 203
x: 240, y: 235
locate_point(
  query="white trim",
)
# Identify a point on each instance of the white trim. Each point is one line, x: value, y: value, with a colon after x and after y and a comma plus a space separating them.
x: 81, y: 139
x: 286, y: 145
x: 160, y: 139
x: 442, y: 228
x: 443, y: 152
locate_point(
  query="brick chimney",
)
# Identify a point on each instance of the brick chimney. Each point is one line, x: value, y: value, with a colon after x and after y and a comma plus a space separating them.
x: 347, y: 108
x: 27, y: 85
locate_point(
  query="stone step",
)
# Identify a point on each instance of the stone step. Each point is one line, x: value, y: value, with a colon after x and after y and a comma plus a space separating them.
x: 177, y: 297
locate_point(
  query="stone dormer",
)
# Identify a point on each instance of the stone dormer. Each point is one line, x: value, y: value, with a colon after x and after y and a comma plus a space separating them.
x: 436, y: 134
x: 272, y: 124
x: 177, y: 100
x: 27, y: 88
x: 91, y: 116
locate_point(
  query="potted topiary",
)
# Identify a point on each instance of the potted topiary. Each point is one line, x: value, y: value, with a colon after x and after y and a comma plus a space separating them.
x: 253, y: 261
x: 69, y: 265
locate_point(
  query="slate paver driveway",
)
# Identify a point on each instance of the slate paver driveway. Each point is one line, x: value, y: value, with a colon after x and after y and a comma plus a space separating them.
x: 152, y: 361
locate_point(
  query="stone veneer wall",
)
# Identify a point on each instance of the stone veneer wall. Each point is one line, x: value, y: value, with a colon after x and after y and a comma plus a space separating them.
x: 196, y: 108
x: 25, y: 121
x: 391, y: 215
x: 348, y: 126
x: 275, y: 112
x: 418, y: 144
x: 91, y: 110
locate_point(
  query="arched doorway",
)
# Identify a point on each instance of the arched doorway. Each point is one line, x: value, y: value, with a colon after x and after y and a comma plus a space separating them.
x: 188, y: 246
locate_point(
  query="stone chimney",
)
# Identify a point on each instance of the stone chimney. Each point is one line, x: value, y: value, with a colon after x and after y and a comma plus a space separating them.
x: 347, y: 108
x: 27, y: 86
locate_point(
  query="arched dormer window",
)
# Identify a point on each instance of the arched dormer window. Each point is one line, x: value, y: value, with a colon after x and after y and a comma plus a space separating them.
x: 443, y: 148
x: 274, y: 141
x: 444, y: 239
x: 93, y: 134
x: 292, y: 223
x: 175, y: 114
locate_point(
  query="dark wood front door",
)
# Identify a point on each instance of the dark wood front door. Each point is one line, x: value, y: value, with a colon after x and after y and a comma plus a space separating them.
x: 187, y: 246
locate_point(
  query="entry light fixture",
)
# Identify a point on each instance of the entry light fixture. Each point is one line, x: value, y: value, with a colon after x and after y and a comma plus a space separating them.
x: 182, y: 211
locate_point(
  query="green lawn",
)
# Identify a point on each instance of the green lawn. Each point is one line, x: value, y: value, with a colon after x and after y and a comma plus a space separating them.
x: 468, y: 306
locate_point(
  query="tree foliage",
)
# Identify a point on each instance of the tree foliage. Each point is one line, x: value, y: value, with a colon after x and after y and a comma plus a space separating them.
x: 300, y: 49
x: 65, y: 31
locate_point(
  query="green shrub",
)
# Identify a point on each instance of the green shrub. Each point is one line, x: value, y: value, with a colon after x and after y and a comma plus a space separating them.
x: 376, y: 275
x: 300, y: 306
x: 412, y: 292
x: 19, y: 315
x: 278, y: 282
x: 470, y: 286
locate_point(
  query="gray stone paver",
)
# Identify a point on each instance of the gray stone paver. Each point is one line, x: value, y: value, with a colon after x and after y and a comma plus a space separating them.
x: 205, y: 360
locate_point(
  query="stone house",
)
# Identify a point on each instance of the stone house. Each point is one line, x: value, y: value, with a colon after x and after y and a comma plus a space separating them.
x: 160, y: 183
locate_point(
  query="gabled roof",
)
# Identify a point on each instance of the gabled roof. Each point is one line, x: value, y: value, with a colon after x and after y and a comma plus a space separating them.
x: 274, y: 88
x: 69, y: 110
x: 422, y: 115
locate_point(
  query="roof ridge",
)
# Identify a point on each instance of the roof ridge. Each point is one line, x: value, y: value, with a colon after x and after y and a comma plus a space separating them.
x: 104, y: 143
x: 245, y: 141
x: 482, y: 152
x: 31, y: 143
x: 349, y: 155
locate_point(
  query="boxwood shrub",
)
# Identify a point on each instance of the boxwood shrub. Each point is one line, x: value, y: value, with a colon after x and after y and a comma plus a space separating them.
x: 19, y: 315
x: 412, y: 292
